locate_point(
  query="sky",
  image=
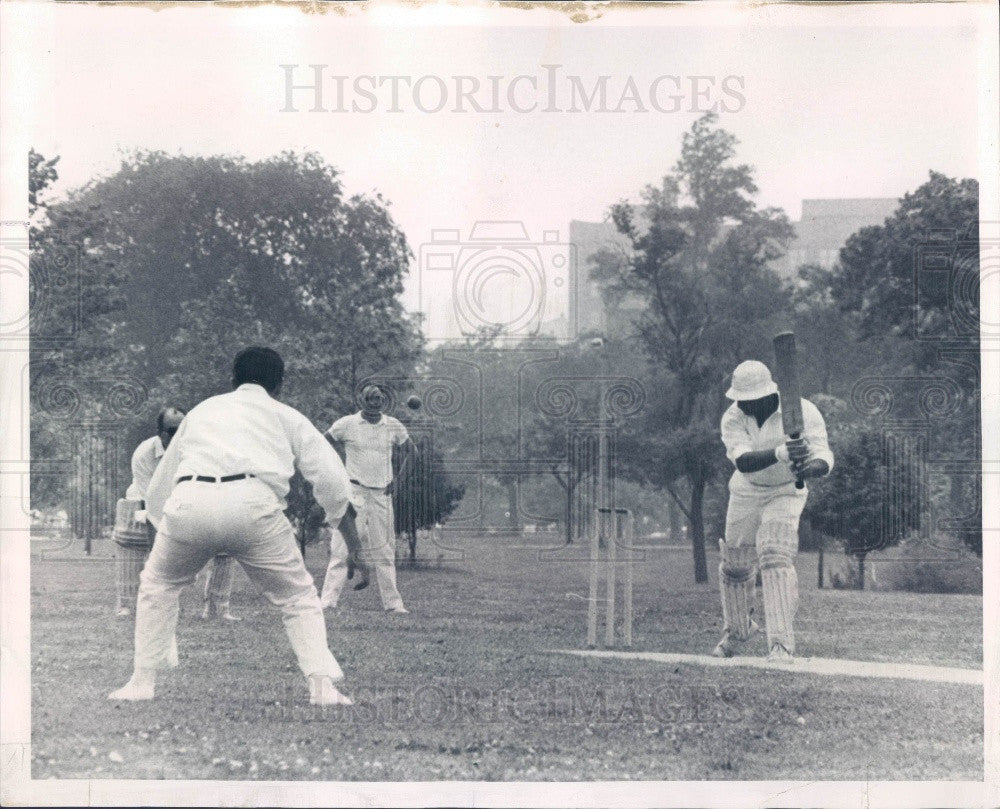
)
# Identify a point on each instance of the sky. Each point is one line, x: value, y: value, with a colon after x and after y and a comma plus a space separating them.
x: 820, y: 111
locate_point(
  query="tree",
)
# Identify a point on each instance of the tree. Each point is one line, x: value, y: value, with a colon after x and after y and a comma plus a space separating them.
x: 697, y: 262
x: 880, y: 273
x: 76, y: 314
x: 911, y: 287
x: 827, y: 336
x: 42, y: 174
x: 426, y: 495
x: 862, y: 502
x: 186, y: 260
x: 529, y: 409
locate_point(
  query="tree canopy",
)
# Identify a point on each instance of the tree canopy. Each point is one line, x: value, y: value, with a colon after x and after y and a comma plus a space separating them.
x: 185, y: 260
x: 697, y: 264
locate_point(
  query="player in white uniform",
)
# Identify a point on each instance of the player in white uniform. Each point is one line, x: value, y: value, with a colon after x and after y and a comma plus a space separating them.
x: 366, y: 440
x: 221, y: 488
x: 131, y: 557
x: 762, y: 521
x: 133, y: 549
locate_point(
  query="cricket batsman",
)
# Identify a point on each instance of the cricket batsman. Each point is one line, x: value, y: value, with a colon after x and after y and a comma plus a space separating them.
x: 766, y: 498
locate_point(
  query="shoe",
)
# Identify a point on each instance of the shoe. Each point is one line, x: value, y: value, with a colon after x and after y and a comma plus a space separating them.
x: 322, y: 691
x: 724, y: 648
x: 228, y: 616
x: 779, y: 654
x: 727, y: 646
x: 123, y: 612
x: 398, y: 610
x: 137, y: 689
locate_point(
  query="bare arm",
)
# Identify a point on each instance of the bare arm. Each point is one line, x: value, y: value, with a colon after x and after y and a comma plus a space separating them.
x: 338, y: 446
x: 755, y: 460
x: 349, y: 529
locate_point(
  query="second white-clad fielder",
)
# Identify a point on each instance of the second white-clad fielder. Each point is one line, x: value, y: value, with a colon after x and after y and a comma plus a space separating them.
x: 762, y: 520
x: 366, y: 439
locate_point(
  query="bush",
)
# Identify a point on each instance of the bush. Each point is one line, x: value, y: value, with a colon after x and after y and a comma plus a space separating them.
x: 916, y: 566
x: 846, y: 575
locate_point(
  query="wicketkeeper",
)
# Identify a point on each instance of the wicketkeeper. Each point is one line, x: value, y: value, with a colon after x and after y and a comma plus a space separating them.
x: 762, y: 521
x: 133, y: 534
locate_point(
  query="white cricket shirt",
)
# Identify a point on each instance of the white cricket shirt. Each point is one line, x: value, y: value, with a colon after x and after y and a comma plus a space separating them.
x: 740, y: 434
x: 145, y: 459
x: 368, y: 447
x: 248, y: 432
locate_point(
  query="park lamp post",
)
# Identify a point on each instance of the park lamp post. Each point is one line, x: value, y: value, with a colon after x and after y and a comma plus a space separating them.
x: 599, y: 344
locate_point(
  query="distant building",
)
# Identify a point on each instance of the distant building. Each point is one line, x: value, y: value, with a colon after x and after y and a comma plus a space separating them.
x: 587, y: 308
x: 825, y: 226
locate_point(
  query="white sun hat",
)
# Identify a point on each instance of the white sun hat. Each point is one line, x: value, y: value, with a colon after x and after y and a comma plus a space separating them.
x: 751, y: 380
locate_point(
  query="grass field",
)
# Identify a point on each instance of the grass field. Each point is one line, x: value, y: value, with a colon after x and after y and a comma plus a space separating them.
x: 464, y: 688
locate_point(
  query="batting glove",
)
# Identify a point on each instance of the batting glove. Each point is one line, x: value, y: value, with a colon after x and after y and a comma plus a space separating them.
x: 795, y: 450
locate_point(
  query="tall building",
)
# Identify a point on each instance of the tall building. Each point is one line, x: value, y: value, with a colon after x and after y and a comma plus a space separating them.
x: 825, y: 226
x: 587, y: 308
x: 820, y: 233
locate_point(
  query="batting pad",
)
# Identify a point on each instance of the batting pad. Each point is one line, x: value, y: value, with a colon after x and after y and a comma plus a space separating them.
x: 128, y: 565
x: 219, y: 584
x: 777, y: 543
x: 781, y: 599
x: 736, y: 585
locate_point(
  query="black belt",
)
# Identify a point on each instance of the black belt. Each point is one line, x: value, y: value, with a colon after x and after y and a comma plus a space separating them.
x: 207, y: 479
x: 363, y: 486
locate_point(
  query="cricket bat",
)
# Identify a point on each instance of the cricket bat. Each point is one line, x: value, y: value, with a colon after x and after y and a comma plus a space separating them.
x: 787, y: 377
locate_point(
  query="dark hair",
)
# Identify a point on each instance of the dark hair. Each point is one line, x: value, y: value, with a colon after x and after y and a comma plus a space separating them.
x: 260, y: 366
x: 164, y: 413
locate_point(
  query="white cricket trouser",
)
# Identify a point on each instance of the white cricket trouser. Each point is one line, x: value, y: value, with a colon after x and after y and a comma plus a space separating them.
x: 767, y: 517
x: 243, y: 519
x: 378, y: 539
x: 750, y: 506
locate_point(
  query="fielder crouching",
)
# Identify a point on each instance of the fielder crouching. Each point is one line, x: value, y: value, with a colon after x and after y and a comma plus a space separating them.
x: 762, y: 521
x: 133, y: 534
x: 221, y: 488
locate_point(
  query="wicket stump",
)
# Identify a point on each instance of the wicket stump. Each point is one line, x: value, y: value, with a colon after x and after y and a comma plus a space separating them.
x: 611, y: 528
